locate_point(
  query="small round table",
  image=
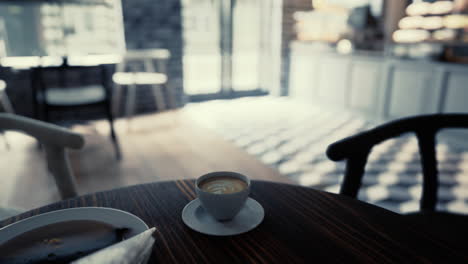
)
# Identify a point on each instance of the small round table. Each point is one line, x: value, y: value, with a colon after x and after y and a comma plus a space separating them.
x: 301, y: 225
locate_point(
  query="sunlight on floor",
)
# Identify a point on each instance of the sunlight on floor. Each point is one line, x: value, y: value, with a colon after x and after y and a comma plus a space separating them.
x: 292, y: 137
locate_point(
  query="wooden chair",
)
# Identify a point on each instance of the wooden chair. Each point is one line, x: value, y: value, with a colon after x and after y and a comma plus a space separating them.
x: 55, y: 140
x: 91, y: 89
x: 355, y: 150
x: 142, y: 67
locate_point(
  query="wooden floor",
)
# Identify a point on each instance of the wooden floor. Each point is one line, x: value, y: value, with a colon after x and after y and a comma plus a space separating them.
x: 158, y: 147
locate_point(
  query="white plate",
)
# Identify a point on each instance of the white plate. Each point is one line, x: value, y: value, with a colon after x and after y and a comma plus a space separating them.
x: 114, y: 217
x: 249, y: 217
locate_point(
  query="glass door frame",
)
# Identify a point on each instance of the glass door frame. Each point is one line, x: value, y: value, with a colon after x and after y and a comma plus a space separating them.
x: 226, y: 9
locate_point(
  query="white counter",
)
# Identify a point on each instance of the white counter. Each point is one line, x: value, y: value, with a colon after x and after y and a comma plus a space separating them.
x: 376, y: 86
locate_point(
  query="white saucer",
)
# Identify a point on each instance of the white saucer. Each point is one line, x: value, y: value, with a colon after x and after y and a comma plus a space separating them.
x: 249, y: 217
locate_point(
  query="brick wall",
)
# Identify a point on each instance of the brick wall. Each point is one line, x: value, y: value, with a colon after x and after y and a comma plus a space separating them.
x: 156, y: 24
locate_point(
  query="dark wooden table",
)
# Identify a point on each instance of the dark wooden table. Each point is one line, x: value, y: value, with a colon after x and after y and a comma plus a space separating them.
x: 301, y: 225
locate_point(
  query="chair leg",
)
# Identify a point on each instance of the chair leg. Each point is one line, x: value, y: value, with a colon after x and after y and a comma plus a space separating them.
x: 7, y: 145
x: 130, y: 104
x: 59, y: 165
x: 115, y: 140
x: 172, y: 104
x: 116, y: 97
x: 159, y: 97
x: 6, y: 104
x: 43, y: 115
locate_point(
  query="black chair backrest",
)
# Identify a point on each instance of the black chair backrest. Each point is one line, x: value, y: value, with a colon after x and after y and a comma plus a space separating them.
x: 355, y: 150
x: 65, y: 76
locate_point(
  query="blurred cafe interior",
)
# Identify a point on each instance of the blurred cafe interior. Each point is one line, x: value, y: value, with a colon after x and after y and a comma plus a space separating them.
x: 172, y: 89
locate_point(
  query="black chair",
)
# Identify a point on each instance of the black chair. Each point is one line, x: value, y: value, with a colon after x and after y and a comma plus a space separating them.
x: 355, y: 150
x: 73, y: 88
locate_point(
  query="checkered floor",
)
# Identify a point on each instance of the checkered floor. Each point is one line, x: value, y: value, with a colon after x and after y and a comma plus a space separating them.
x: 292, y: 137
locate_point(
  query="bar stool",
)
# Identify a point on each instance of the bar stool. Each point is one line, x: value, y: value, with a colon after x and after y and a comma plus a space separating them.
x: 129, y: 73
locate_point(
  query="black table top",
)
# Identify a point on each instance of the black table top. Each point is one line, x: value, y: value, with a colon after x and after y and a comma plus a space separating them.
x: 301, y: 225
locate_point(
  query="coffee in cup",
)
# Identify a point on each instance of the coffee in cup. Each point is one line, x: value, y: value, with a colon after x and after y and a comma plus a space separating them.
x: 223, y: 194
x: 223, y: 185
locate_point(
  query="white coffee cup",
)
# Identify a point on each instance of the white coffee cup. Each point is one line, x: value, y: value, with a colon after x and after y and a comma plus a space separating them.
x: 223, y: 206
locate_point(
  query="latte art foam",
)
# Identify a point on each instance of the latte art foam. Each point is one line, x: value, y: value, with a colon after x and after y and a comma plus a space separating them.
x: 223, y: 185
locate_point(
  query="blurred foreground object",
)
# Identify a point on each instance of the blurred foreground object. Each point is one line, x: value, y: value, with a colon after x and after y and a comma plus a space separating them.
x: 135, y: 250
x: 55, y: 140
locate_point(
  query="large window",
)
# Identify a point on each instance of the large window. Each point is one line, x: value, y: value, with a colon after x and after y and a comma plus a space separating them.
x: 228, y: 45
x: 33, y: 28
x: 202, y: 57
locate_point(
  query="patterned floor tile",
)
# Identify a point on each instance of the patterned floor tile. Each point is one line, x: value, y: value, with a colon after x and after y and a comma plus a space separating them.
x: 293, y: 138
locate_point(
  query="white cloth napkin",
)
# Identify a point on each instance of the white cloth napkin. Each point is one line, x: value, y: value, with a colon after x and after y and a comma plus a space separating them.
x: 135, y: 250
